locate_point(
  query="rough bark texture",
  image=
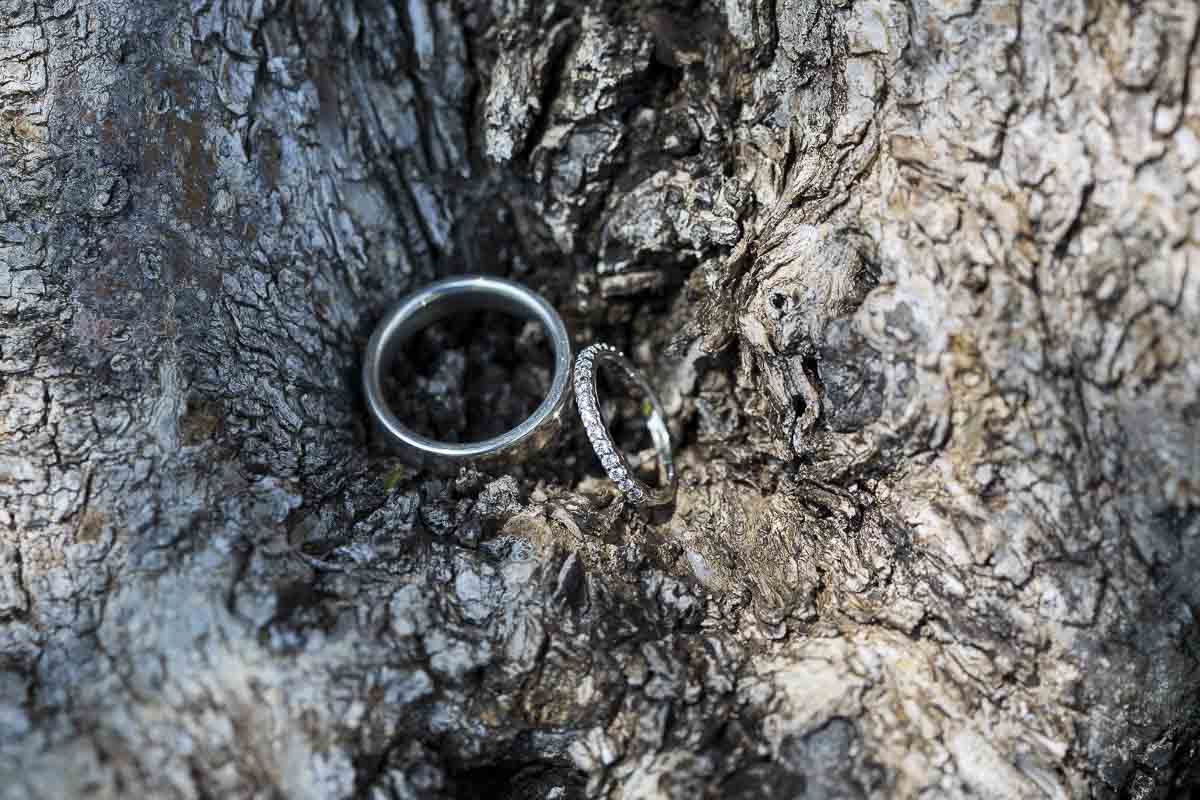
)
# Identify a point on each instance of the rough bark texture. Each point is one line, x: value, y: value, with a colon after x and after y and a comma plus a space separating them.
x: 914, y: 278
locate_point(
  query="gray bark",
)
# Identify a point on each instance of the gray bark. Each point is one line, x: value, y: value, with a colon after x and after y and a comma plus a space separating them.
x: 915, y: 280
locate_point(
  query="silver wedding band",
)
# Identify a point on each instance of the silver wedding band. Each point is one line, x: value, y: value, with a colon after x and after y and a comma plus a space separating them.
x: 442, y: 299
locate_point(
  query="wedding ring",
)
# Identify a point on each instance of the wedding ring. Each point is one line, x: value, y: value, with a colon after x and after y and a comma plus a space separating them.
x: 442, y: 299
x: 611, y: 458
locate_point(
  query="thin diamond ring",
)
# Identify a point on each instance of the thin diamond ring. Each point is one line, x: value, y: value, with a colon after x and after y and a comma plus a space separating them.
x: 613, y: 460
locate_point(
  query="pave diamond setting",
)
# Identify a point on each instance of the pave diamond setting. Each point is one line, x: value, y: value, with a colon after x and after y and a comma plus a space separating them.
x: 610, y: 457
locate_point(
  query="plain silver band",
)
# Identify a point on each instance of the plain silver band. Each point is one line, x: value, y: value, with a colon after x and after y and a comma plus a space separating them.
x: 611, y: 458
x: 442, y: 299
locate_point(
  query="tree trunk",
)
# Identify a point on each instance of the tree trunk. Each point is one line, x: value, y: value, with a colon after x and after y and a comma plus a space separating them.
x: 914, y: 280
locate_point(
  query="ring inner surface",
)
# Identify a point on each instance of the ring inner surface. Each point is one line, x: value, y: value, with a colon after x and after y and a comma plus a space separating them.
x: 467, y: 369
x: 634, y: 422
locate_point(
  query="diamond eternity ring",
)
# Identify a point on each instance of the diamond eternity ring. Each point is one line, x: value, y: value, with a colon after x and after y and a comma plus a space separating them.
x: 611, y: 458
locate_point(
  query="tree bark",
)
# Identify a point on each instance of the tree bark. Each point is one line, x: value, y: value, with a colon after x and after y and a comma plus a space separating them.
x: 914, y: 280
